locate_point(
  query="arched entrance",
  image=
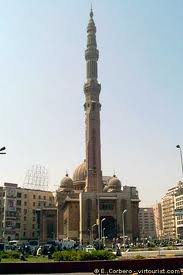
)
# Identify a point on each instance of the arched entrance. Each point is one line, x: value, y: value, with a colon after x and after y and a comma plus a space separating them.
x: 110, y: 225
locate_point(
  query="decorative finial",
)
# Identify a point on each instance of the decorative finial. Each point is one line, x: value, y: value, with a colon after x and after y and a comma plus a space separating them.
x: 66, y: 173
x: 91, y: 12
x: 114, y: 175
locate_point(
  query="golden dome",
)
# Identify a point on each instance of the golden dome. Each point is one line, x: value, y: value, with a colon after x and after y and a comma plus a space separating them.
x: 80, y: 172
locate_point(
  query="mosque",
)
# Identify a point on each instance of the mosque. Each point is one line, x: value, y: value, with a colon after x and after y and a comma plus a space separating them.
x: 90, y: 203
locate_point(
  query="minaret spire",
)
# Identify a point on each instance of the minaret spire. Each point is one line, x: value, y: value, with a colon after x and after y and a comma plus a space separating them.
x: 92, y: 111
x: 91, y: 12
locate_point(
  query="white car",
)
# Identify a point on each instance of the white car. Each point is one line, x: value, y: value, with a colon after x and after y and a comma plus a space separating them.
x: 89, y: 248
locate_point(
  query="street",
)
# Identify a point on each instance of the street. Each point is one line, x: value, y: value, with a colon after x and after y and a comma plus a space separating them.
x: 156, y: 253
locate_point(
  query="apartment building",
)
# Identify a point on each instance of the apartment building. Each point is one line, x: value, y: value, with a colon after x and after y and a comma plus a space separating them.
x: 179, y: 211
x: 1, y: 211
x: 19, y: 210
x: 146, y: 223
x: 168, y: 213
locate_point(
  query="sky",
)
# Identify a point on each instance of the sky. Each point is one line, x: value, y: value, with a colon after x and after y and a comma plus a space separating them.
x: 42, y: 73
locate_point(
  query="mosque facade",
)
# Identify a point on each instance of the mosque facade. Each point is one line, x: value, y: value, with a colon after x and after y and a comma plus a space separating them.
x: 89, y: 202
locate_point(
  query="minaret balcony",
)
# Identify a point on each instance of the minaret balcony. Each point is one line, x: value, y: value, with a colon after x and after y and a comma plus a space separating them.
x: 91, y: 54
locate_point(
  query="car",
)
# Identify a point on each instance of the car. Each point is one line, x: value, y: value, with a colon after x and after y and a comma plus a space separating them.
x: 89, y: 248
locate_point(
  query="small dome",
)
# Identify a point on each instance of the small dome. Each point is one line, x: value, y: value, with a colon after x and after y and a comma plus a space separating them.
x: 66, y: 183
x: 80, y: 172
x: 114, y: 184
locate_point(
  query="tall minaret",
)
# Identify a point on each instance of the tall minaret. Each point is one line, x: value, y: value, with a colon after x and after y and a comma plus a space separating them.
x: 92, y: 112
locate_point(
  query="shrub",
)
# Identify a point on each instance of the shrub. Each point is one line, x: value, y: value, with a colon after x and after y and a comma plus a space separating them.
x: 83, y: 255
x: 10, y: 254
x: 171, y: 247
x: 102, y: 255
x: 70, y: 255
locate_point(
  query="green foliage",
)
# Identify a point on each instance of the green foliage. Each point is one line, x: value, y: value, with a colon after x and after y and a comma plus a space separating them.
x: 9, y: 255
x: 72, y: 255
x: 97, y: 255
x: 151, y: 244
x: 67, y: 255
x: 171, y: 248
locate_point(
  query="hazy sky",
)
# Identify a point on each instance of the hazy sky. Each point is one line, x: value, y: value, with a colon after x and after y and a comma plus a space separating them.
x: 42, y: 72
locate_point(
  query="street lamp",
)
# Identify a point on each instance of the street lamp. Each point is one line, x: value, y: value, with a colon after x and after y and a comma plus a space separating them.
x: 2, y: 149
x: 178, y: 146
x: 123, y: 213
x: 101, y: 225
x: 103, y: 240
x: 103, y: 232
x: 92, y: 230
x: 89, y: 233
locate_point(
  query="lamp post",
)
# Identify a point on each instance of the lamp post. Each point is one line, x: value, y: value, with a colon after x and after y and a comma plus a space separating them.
x: 2, y: 149
x: 92, y: 230
x: 103, y: 232
x: 103, y: 237
x: 180, y: 149
x: 101, y: 226
x: 89, y: 233
x: 123, y: 221
x: 98, y: 220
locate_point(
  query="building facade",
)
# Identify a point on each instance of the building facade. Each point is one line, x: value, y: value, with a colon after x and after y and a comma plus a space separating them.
x: 1, y: 211
x: 179, y: 211
x: 172, y: 212
x: 19, y: 206
x: 147, y: 227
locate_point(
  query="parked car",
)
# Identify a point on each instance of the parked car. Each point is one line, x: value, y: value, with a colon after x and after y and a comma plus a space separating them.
x: 89, y: 248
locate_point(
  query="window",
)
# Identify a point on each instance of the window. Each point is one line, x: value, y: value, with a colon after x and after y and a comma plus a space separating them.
x: 39, y: 197
x: 24, y: 218
x: 34, y: 196
x: 106, y: 206
x: 44, y: 197
x: 25, y: 196
x: 33, y: 226
x: 25, y: 211
x: 25, y: 203
x: 19, y: 195
x: 34, y: 204
x: 19, y: 203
